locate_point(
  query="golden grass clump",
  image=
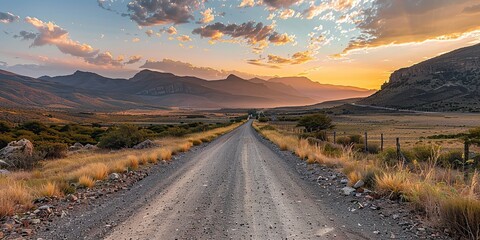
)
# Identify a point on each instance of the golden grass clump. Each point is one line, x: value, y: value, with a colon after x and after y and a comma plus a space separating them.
x: 392, y: 185
x: 165, y: 154
x: 99, y: 171
x: 50, y: 189
x: 86, y: 181
x: 7, y: 206
x: 143, y: 160
x: 153, y: 157
x: 462, y: 214
x: 196, y: 142
x: 133, y: 162
x: 183, y: 147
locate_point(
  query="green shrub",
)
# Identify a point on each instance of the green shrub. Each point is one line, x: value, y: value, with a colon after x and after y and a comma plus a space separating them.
x: 124, y: 136
x: 332, y: 150
x: 263, y: 119
x: 422, y: 153
x: 356, y: 139
x: 322, y: 136
x: 52, y: 150
x: 5, y: 127
x: 451, y: 159
x: 34, y: 127
x: 267, y: 127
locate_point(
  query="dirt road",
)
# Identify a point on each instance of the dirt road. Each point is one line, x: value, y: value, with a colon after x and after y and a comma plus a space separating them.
x: 236, y: 187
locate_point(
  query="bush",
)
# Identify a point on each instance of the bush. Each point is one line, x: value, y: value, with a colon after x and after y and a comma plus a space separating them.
x: 5, y: 140
x: 5, y: 127
x: 321, y: 135
x: 350, y: 140
x: 52, y: 150
x: 451, y: 159
x: 267, y: 127
x: 422, y: 153
x: 34, y: 127
x: 462, y: 215
x: 125, y: 136
x: 315, y: 122
x: 263, y: 119
x: 331, y: 150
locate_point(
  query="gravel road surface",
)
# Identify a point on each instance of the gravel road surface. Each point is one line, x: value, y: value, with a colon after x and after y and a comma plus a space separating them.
x: 236, y: 187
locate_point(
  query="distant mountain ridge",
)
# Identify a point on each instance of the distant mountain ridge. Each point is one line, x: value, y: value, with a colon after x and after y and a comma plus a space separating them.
x: 146, y: 89
x: 449, y: 82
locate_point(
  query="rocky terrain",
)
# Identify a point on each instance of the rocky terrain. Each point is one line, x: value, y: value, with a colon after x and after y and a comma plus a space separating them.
x: 450, y: 82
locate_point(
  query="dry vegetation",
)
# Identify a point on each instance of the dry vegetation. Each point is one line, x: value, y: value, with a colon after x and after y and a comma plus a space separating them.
x: 53, y: 178
x: 443, y: 195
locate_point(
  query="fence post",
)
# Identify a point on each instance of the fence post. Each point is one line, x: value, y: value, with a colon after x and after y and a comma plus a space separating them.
x: 381, y: 142
x: 466, y: 153
x: 334, y: 137
x: 366, y: 142
x: 398, y: 149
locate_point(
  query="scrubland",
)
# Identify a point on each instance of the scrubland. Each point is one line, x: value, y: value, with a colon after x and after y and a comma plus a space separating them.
x: 56, y: 178
x: 444, y: 195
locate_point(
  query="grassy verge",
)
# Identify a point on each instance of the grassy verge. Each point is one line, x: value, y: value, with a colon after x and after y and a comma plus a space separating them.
x: 442, y: 195
x: 56, y: 177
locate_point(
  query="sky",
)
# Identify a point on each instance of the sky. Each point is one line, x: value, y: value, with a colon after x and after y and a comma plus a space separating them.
x: 343, y: 42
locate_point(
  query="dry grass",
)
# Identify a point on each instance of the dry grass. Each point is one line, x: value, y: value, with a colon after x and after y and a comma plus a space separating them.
x: 133, y: 162
x: 440, y: 193
x: 18, y: 189
x: 165, y: 154
x: 86, y: 181
x: 50, y: 189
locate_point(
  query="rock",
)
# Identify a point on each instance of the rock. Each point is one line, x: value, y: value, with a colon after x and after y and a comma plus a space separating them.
x: 359, y: 184
x: 344, y: 181
x: 348, y: 190
x: 27, y: 232
x: 15, y: 149
x: 114, y: 176
x: 4, y: 172
x: 90, y: 147
x: 395, y: 216
x: 145, y: 144
x: 333, y: 177
x: 75, y: 147
x: 35, y: 221
x: 2, y: 235
x: 72, y: 198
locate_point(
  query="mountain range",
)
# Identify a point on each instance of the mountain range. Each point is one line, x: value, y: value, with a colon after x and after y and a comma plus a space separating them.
x: 449, y: 82
x: 150, y: 89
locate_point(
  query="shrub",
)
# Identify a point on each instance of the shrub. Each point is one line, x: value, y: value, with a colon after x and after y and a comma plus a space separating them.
x: 263, y: 119
x: 332, y: 150
x: 422, y: 153
x: 85, y: 181
x: 5, y: 127
x: 462, y: 215
x: 320, y: 135
x: 34, y: 127
x: 356, y: 139
x: 125, y: 136
x: 451, y: 159
x: 5, y: 140
x: 267, y: 128
x: 315, y: 122
x: 52, y: 150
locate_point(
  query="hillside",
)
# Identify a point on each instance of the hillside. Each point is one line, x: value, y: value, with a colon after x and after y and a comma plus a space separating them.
x: 449, y: 82
x: 322, y: 92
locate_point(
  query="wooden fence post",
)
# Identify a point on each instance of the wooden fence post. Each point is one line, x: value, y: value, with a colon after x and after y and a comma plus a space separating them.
x: 334, y: 137
x: 466, y: 153
x: 381, y: 142
x: 366, y: 142
x: 398, y: 149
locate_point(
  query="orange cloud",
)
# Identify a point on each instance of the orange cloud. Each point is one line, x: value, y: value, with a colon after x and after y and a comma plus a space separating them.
x: 399, y: 21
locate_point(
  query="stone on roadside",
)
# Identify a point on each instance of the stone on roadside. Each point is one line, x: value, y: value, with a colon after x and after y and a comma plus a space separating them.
x: 145, y: 144
x: 344, y: 181
x: 348, y: 190
x: 114, y: 176
x: 359, y: 184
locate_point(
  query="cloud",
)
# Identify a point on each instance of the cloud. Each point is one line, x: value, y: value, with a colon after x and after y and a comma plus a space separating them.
x: 472, y: 9
x: 187, y: 69
x: 184, y: 38
x: 172, y: 30
x: 207, y: 16
x: 51, y: 34
x: 106, y: 5
x: 161, y: 12
x: 24, y: 35
x: 280, y: 3
x: 8, y: 17
x: 253, y: 33
x: 247, y: 3
x: 149, y: 32
x: 408, y: 21
x: 106, y: 58
x: 275, y: 61
x: 286, y: 13
x: 135, y: 40
x: 133, y: 59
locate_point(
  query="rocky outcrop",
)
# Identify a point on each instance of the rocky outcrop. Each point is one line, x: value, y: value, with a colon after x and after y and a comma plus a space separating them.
x: 145, y: 144
x: 21, y: 149
x: 450, y: 82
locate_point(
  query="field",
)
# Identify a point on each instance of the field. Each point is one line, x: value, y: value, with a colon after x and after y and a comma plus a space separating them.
x: 412, y: 129
x: 431, y: 179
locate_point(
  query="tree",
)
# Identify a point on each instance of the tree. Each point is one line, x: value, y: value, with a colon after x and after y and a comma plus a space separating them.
x: 315, y: 122
x: 125, y: 136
